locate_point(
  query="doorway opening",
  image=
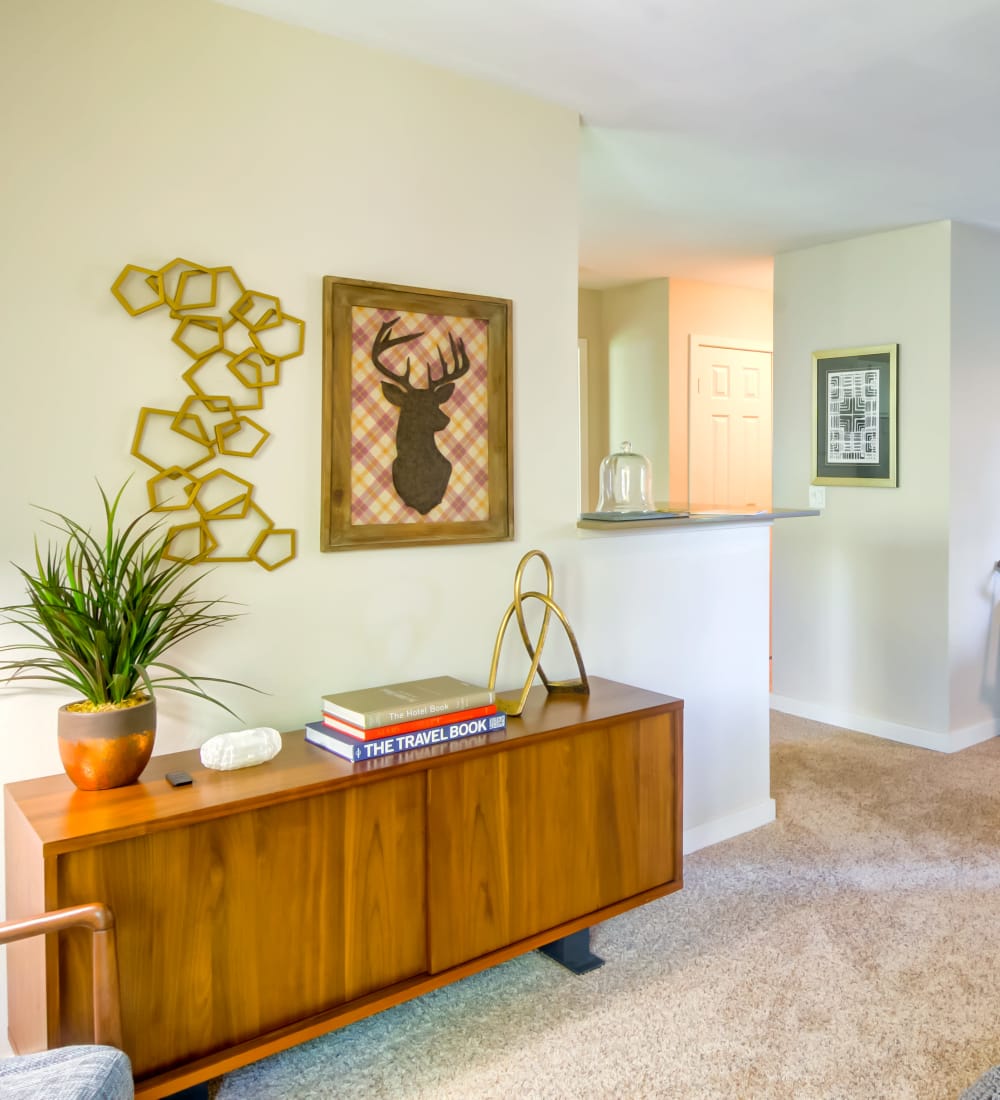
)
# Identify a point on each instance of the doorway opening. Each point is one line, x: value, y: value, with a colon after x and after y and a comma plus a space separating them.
x: 730, y: 433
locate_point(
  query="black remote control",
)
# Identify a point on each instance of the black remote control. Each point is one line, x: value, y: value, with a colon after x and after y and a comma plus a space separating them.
x: 179, y: 779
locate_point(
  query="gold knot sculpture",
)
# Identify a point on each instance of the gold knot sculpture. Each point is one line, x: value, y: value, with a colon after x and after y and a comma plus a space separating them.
x: 580, y: 686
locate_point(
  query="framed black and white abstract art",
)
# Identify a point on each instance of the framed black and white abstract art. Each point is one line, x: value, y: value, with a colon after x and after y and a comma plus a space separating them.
x: 854, y: 416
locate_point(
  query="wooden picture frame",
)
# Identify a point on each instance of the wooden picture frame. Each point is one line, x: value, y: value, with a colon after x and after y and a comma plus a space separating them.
x: 855, y: 395
x: 416, y: 418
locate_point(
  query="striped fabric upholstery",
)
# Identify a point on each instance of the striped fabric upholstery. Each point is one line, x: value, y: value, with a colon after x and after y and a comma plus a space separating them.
x: 68, y: 1073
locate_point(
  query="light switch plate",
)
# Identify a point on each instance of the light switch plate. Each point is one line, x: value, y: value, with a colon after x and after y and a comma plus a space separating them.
x: 817, y: 496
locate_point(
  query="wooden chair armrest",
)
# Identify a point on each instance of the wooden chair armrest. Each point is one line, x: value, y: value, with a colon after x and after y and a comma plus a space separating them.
x: 101, y: 922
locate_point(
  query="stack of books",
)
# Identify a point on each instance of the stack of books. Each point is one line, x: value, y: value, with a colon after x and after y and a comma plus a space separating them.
x: 380, y: 721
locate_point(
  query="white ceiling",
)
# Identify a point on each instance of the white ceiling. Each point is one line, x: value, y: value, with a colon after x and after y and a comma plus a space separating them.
x: 717, y: 133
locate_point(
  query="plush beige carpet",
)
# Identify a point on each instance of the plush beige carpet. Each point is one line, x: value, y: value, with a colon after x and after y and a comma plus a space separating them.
x: 850, y: 950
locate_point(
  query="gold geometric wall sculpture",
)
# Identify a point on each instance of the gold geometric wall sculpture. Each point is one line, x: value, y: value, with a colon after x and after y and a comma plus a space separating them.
x: 238, y: 340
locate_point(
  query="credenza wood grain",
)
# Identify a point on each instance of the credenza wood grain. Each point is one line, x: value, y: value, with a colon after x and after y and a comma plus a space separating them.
x: 246, y: 923
x: 258, y: 908
x: 551, y: 831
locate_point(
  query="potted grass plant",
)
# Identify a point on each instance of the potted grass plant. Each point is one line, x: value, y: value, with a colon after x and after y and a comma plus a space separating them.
x: 102, y: 610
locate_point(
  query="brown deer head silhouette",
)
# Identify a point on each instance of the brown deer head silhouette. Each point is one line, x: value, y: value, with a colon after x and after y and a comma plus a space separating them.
x: 420, y: 472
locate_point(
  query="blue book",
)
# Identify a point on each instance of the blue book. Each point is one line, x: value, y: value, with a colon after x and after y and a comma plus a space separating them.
x: 319, y: 733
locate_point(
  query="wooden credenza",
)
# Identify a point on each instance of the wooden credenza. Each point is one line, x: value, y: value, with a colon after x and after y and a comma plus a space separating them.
x: 259, y: 908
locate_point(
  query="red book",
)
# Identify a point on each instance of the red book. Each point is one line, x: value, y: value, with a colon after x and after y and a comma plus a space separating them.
x: 406, y: 727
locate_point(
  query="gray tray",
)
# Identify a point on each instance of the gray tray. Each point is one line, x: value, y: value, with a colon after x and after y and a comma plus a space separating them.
x: 628, y: 517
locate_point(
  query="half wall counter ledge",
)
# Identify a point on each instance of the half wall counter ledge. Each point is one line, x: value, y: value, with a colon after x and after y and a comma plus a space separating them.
x: 670, y: 517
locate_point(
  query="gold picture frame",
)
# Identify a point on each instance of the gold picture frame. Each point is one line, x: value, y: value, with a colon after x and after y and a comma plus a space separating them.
x: 855, y: 396
x: 416, y: 420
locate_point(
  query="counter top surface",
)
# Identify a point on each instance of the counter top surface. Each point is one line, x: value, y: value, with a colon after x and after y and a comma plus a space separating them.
x: 64, y: 818
x: 658, y: 522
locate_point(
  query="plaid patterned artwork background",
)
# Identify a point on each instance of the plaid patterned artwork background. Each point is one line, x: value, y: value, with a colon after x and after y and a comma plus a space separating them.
x: 464, y: 442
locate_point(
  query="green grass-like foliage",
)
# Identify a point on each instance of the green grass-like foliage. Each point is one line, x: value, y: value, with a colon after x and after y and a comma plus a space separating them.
x: 104, y: 610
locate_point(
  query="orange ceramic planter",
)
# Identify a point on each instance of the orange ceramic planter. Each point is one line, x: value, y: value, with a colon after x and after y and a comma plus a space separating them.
x: 105, y: 749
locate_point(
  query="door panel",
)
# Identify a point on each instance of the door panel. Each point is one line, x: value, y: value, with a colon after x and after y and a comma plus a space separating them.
x: 730, y: 427
x: 525, y: 840
x: 342, y: 878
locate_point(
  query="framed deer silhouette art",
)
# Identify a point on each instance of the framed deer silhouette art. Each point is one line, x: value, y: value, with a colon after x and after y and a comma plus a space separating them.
x: 416, y: 416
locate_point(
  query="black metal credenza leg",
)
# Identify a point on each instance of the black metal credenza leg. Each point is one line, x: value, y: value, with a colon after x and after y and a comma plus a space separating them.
x: 573, y: 952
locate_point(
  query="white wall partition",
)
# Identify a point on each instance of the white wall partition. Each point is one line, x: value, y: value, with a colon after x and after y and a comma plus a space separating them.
x: 860, y: 593
x: 884, y: 606
x: 974, y: 529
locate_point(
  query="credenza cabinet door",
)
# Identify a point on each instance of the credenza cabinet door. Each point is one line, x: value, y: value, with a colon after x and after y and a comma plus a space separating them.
x: 522, y: 841
x: 237, y: 926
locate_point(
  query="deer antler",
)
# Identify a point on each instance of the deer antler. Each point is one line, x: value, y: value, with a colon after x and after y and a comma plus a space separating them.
x: 385, y: 340
x: 458, y: 357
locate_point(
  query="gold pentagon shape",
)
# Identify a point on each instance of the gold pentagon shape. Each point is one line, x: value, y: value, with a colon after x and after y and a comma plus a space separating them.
x: 171, y: 275
x: 218, y: 403
x: 242, y: 439
x: 229, y: 289
x: 284, y: 340
x: 172, y: 490
x: 258, y: 311
x: 196, y: 289
x: 223, y: 495
x: 255, y: 370
x: 138, y: 289
x: 212, y: 379
x: 189, y: 542
x: 199, y: 336
x: 274, y: 548
x: 241, y: 534
x: 190, y: 426
x: 208, y: 301
x: 200, y: 418
x: 157, y: 444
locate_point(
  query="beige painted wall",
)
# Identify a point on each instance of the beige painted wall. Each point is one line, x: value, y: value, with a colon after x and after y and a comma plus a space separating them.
x: 635, y: 320
x: 885, y: 608
x: 861, y: 593
x: 144, y: 131
x: 271, y: 155
x: 705, y: 309
x: 974, y: 486
x: 591, y: 328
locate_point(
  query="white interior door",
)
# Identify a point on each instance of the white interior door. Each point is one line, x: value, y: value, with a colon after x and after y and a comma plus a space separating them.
x: 730, y: 425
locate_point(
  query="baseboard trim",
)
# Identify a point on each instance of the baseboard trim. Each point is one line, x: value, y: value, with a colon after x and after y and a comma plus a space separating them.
x: 891, y: 731
x: 722, y: 828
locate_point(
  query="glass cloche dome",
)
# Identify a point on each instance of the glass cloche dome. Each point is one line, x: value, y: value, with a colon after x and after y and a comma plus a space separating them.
x: 626, y: 482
